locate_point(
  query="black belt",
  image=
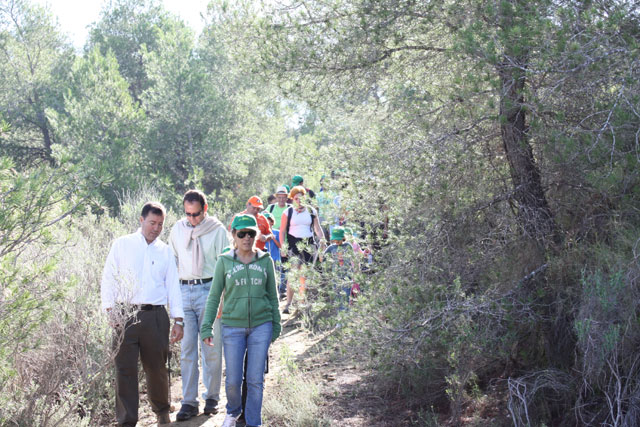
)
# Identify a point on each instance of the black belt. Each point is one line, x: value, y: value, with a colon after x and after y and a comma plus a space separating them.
x: 196, y: 281
x: 149, y: 307
x: 131, y: 308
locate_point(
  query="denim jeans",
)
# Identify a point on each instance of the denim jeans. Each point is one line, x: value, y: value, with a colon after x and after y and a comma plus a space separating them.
x: 281, y: 271
x: 255, y: 341
x: 194, y: 299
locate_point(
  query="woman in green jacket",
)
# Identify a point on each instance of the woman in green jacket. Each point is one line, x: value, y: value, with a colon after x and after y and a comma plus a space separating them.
x: 250, y: 317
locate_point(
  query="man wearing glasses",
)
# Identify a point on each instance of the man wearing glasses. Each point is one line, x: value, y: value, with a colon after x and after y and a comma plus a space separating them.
x: 197, y: 240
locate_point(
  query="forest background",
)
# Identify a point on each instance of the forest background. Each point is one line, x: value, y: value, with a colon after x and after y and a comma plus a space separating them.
x: 487, y: 150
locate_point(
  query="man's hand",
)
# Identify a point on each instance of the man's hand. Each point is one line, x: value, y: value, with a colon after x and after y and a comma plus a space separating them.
x: 177, y: 333
x: 208, y: 341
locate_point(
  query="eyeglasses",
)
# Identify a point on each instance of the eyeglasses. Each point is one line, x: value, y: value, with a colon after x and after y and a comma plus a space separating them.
x: 250, y: 233
x: 193, y: 215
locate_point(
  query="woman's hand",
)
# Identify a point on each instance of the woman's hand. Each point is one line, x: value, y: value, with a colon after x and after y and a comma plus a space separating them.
x: 208, y: 341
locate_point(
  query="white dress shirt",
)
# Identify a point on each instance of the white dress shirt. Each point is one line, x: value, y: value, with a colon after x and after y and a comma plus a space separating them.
x: 137, y: 272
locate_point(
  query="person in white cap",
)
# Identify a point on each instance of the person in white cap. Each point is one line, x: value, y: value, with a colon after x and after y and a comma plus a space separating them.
x: 280, y: 206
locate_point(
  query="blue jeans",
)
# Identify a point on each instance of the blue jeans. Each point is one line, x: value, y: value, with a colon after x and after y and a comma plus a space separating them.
x: 281, y: 271
x: 194, y: 299
x: 255, y: 341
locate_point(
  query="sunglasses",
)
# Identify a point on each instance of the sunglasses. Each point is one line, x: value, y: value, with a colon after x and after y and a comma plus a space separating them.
x: 250, y: 233
x: 193, y: 215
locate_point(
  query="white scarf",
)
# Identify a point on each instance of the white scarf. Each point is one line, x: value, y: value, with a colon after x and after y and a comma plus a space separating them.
x: 207, y: 225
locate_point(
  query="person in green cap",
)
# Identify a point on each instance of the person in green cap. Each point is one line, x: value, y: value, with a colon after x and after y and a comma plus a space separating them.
x: 298, y: 180
x: 340, y: 264
x: 250, y: 317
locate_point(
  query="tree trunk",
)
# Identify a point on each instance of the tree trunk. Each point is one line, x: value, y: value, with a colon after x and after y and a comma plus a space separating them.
x: 46, y: 136
x: 534, y: 214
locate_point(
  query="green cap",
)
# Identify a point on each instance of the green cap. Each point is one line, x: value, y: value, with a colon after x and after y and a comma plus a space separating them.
x: 296, y: 180
x: 337, y: 233
x: 243, y: 221
x: 287, y: 187
x: 268, y: 215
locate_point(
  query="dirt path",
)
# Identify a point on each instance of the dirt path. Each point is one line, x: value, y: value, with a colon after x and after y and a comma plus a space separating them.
x: 347, y: 398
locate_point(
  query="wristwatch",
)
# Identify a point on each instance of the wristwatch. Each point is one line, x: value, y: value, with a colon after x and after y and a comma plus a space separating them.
x: 179, y: 323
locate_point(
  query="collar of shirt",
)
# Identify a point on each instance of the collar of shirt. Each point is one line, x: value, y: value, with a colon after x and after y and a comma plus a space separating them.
x: 144, y: 239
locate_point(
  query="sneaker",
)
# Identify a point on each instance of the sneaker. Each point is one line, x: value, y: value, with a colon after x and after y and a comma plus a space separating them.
x: 229, y: 421
x: 186, y: 412
x: 211, y: 407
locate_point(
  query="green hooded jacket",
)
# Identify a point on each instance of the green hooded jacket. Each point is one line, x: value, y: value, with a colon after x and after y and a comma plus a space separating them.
x: 250, y: 297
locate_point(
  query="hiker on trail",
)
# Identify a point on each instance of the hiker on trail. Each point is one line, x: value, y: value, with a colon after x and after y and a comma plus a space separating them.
x: 288, y: 188
x: 339, y: 261
x: 197, y: 241
x: 298, y: 225
x: 362, y: 253
x: 297, y: 180
x: 328, y: 207
x: 276, y: 209
x: 254, y: 207
x: 139, y: 278
x: 273, y: 248
x: 250, y: 317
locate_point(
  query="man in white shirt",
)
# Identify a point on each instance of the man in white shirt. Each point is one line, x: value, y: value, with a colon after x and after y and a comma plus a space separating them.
x: 197, y: 240
x: 139, y: 279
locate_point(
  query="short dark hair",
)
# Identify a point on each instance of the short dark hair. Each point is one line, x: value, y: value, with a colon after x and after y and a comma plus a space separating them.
x: 155, y: 208
x: 271, y: 199
x: 195, y: 196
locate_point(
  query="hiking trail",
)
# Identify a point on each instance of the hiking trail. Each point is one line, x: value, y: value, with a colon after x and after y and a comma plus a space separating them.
x: 346, y: 397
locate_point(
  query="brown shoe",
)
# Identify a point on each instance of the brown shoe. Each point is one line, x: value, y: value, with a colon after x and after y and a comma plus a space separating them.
x: 163, y: 418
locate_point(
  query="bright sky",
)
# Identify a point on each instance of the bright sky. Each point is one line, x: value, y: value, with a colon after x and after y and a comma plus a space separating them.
x: 75, y: 15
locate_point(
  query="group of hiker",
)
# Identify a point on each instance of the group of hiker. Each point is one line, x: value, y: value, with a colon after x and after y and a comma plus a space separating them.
x: 222, y: 286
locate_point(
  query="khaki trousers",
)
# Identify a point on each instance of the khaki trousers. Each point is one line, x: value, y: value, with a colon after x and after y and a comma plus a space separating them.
x: 146, y: 335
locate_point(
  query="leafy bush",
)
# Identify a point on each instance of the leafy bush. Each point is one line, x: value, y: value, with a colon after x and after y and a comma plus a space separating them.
x: 57, y: 370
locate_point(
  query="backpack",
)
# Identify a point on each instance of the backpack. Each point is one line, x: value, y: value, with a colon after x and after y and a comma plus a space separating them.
x: 272, y: 206
x: 290, y: 214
